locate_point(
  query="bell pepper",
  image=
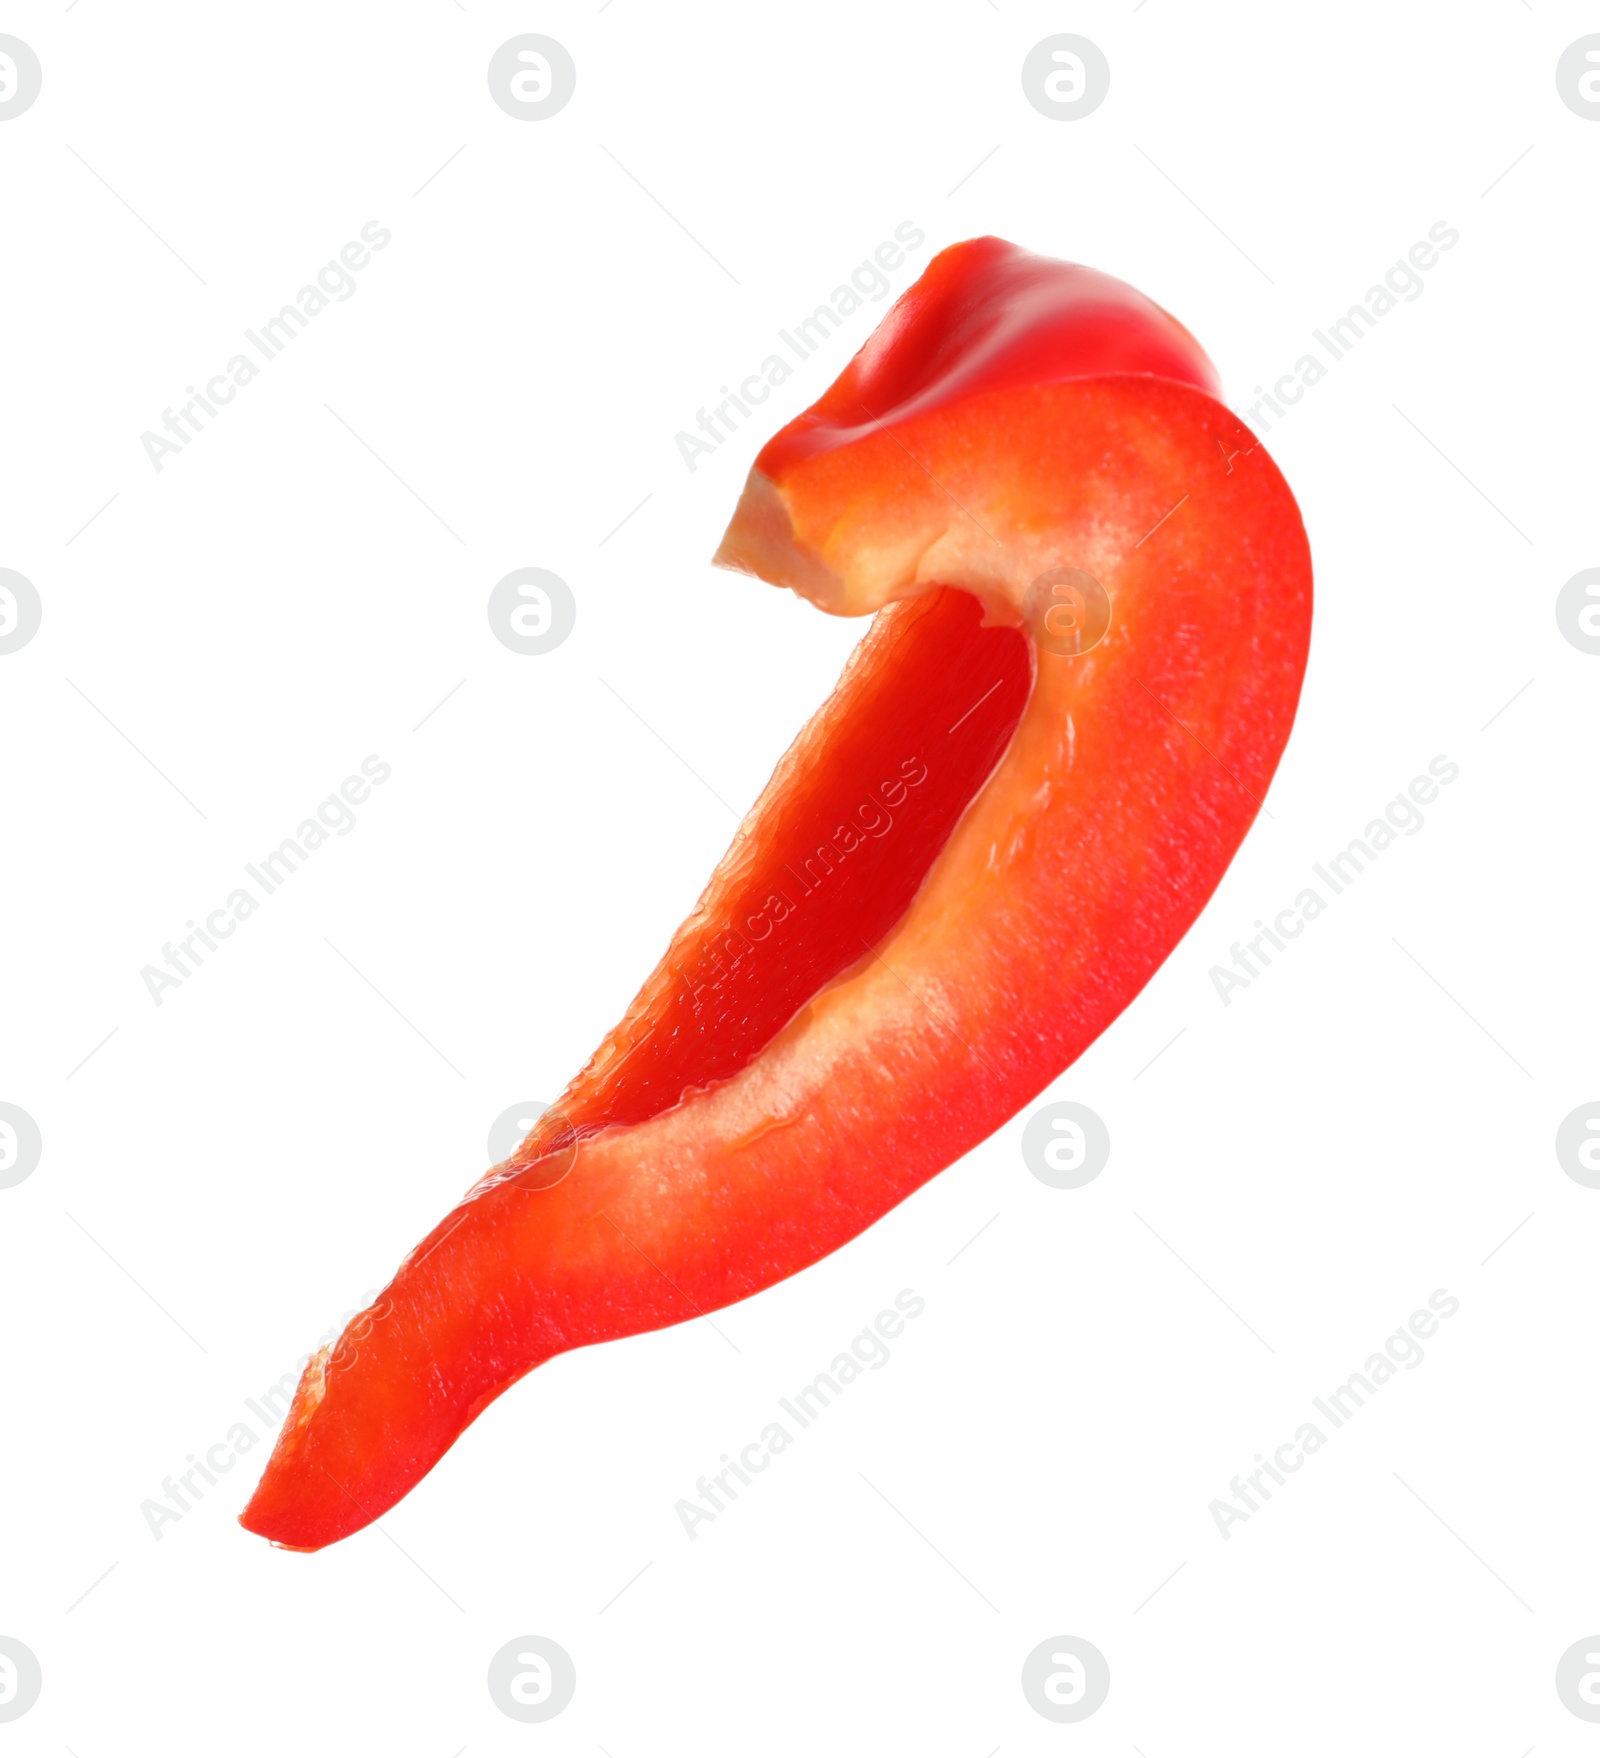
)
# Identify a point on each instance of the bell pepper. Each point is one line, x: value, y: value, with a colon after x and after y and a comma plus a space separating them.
x: 1091, y: 601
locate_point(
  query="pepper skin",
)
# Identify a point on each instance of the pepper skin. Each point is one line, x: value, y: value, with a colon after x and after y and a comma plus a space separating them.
x: 972, y: 859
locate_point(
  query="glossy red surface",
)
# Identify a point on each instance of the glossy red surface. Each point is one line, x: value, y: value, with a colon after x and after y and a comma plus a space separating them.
x: 987, y: 316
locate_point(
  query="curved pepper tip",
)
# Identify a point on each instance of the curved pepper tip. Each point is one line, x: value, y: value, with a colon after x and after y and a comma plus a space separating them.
x: 985, y: 318
x: 987, y: 315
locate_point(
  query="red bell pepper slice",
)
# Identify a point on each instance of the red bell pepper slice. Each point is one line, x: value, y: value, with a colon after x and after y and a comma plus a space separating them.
x: 970, y: 861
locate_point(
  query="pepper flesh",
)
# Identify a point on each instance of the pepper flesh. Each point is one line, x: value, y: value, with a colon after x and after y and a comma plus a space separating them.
x: 1019, y: 838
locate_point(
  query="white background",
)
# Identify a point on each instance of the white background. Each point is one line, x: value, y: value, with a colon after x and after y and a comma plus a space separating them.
x: 1294, y: 1175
